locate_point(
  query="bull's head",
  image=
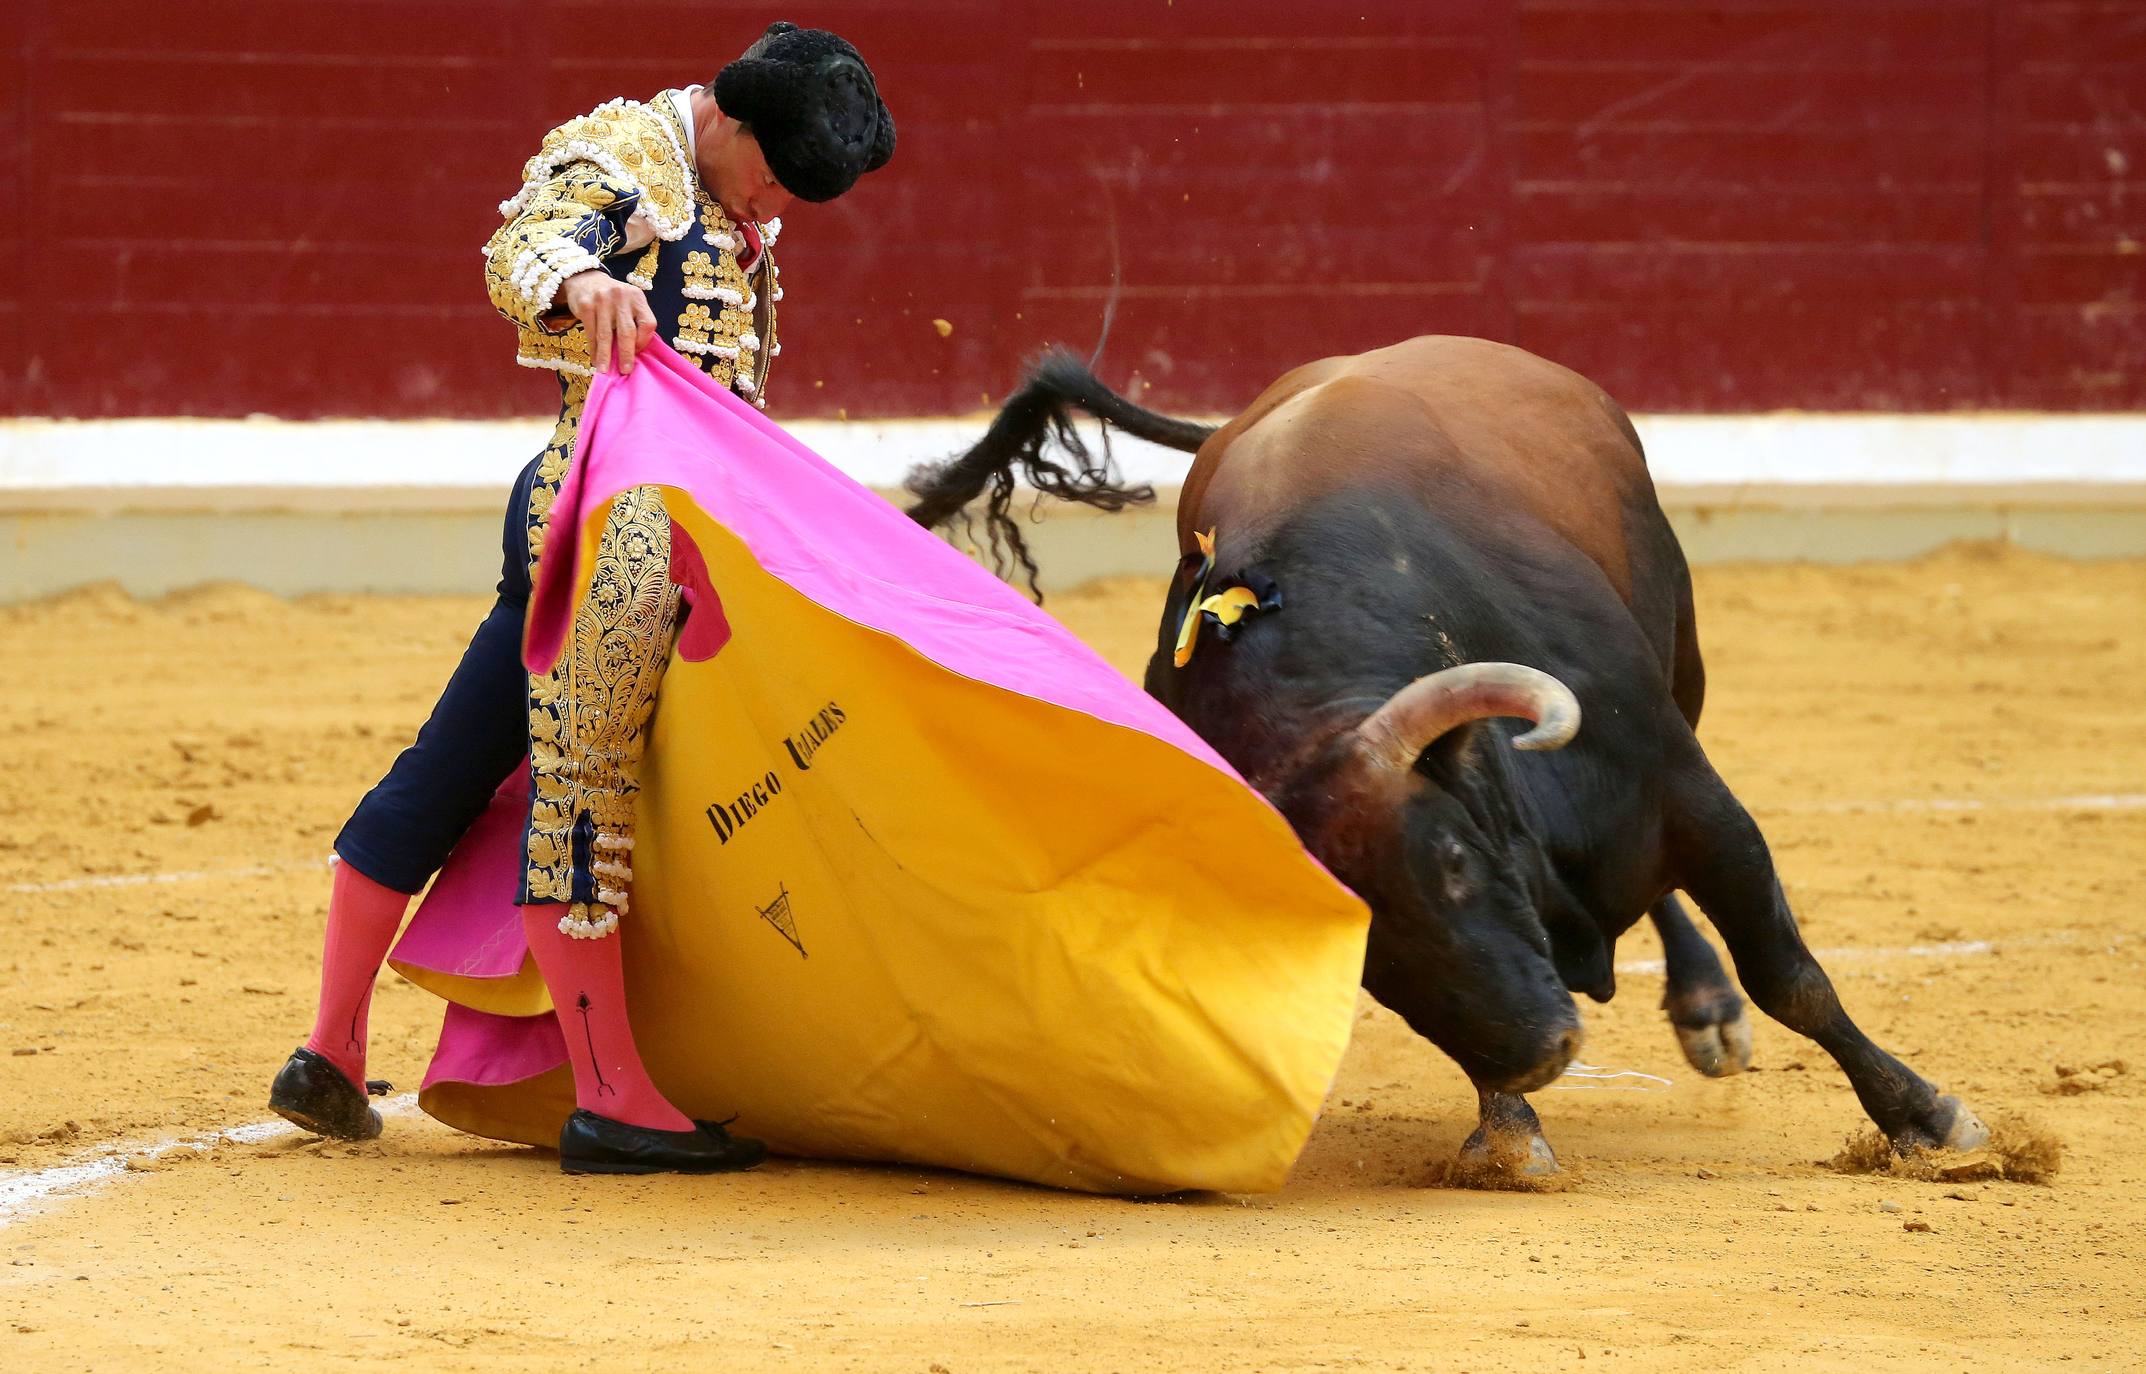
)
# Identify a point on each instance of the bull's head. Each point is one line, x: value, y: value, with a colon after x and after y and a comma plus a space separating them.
x: 1410, y: 811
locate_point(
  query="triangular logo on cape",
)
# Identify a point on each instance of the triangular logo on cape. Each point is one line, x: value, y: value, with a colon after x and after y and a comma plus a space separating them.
x: 777, y: 914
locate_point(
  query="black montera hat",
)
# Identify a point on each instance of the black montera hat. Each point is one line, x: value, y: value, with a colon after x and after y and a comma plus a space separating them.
x: 813, y: 105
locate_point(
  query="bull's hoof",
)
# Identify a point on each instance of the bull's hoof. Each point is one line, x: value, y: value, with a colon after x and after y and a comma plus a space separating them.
x: 1503, y: 1160
x: 1719, y: 1049
x: 1948, y: 1125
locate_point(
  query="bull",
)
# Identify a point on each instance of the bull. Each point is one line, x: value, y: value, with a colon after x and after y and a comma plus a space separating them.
x: 1421, y: 569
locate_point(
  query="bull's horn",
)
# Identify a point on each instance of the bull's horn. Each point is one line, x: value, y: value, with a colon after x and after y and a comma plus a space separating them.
x: 1398, y: 732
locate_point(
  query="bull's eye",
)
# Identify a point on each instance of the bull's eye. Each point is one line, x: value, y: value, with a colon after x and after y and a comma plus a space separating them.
x: 1455, y: 870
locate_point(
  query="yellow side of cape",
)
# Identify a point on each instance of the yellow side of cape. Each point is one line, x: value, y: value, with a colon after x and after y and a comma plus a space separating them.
x: 884, y: 911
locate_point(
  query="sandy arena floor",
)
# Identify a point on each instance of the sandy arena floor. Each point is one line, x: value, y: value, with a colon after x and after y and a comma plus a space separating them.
x: 1949, y: 758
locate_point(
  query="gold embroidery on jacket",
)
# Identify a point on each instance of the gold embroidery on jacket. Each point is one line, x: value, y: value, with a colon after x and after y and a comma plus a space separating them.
x: 626, y: 153
x: 717, y: 329
x: 637, y: 144
x: 564, y: 228
x: 695, y: 326
x: 644, y: 271
x: 700, y: 277
x: 623, y: 153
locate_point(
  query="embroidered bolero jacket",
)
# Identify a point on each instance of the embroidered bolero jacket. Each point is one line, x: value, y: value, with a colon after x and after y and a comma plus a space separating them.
x: 600, y: 188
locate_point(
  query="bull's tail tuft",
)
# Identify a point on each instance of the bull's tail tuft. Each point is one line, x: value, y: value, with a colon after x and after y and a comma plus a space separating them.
x: 1015, y: 449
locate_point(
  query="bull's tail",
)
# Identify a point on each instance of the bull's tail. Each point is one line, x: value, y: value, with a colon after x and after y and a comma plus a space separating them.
x: 1040, y: 411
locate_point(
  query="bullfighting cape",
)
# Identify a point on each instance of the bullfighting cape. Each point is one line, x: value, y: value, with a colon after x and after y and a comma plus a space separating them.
x: 920, y: 878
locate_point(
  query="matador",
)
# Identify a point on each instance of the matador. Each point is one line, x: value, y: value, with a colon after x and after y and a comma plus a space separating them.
x: 636, y: 220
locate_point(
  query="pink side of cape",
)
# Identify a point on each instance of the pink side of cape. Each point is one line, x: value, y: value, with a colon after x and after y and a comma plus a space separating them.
x: 468, y: 924
x: 824, y: 534
x: 809, y: 525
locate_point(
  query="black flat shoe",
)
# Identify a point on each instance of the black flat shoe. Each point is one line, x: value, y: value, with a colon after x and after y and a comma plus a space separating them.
x: 592, y: 1144
x: 313, y: 1095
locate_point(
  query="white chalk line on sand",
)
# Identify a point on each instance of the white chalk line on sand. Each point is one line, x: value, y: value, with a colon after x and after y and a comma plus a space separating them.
x: 2096, y: 801
x: 21, y: 1191
x: 1590, y: 1078
x: 202, y: 875
x: 1940, y: 949
x: 1587, y: 1077
x: 1580, y: 1077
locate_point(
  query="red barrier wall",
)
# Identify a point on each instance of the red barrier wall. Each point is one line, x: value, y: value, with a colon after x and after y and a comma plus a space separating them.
x: 221, y: 207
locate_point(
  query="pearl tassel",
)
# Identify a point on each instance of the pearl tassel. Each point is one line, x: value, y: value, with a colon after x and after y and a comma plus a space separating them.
x: 582, y: 928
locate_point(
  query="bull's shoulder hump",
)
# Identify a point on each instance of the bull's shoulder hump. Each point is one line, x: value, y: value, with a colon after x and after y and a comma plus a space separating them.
x: 1343, y: 430
x: 1272, y: 422
x: 1284, y: 389
x: 1432, y: 367
x: 1442, y: 360
x: 1354, y: 407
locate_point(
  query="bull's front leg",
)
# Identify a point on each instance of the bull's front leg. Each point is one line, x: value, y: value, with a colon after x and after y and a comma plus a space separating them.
x: 1507, y: 1148
x: 1702, y: 1003
x: 1721, y: 860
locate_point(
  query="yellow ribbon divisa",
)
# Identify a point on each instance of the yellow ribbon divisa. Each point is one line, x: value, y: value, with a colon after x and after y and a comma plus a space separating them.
x: 1188, y: 630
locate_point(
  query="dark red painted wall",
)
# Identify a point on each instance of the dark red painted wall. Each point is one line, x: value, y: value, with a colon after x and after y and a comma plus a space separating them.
x: 230, y: 206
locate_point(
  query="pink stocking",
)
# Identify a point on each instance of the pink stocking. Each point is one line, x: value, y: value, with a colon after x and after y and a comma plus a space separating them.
x: 588, y: 987
x: 362, y: 919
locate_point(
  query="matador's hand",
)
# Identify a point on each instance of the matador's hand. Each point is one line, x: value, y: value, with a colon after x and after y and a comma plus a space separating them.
x: 614, y: 312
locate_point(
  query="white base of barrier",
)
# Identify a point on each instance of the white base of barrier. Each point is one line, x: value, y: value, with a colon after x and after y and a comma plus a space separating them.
x: 414, y: 506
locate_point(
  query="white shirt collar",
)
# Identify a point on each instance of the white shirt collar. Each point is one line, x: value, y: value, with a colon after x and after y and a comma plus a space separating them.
x: 682, y: 101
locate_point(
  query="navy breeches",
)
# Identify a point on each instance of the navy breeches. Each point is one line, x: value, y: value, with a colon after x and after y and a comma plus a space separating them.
x: 477, y: 736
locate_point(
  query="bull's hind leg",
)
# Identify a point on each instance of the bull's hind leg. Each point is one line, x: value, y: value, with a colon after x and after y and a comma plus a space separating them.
x: 1702, y: 1003
x: 1506, y: 1149
x: 1721, y: 860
